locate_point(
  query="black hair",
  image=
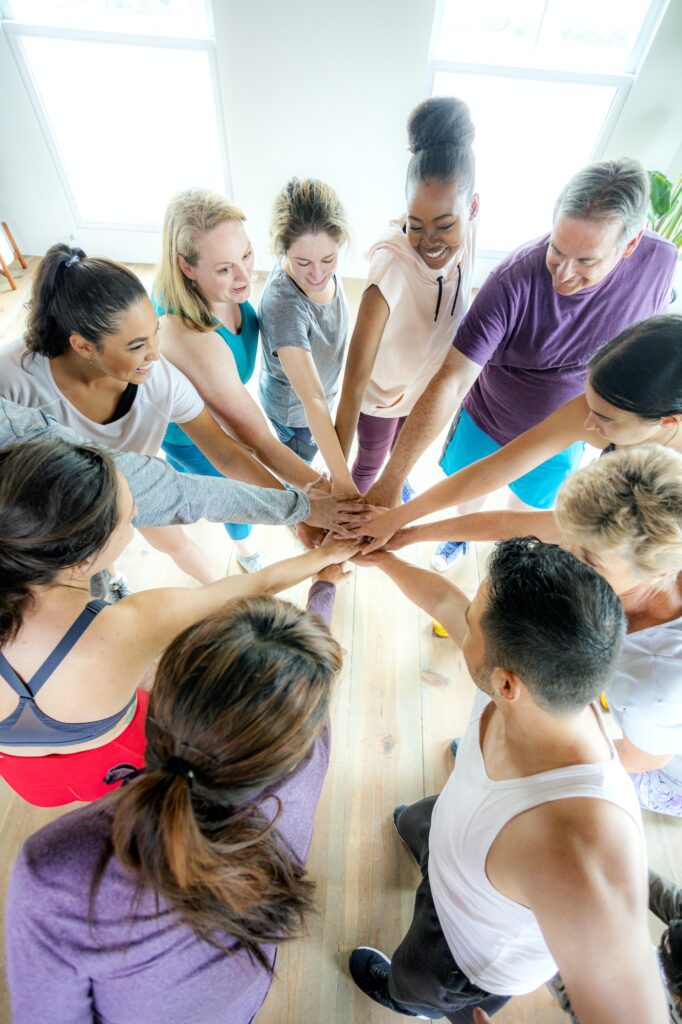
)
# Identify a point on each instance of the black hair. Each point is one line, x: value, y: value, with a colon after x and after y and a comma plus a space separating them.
x: 553, y: 621
x: 640, y: 371
x: 77, y: 294
x: 670, y: 951
x: 58, y: 506
x: 440, y: 133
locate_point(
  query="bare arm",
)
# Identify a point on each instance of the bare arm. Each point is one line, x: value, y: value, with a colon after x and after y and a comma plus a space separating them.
x: 558, y: 431
x: 210, y: 365
x: 300, y: 368
x: 226, y: 454
x: 579, y: 865
x: 436, y: 407
x: 498, y: 524
x: 634, y: 759
x: 431, y: 591
x: 369, y: 328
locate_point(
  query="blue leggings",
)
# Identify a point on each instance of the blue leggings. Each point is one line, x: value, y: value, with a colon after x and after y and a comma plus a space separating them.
x: 187, y: 458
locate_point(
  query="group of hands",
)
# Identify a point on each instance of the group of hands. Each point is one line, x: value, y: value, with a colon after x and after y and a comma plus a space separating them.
x: 353, y: 527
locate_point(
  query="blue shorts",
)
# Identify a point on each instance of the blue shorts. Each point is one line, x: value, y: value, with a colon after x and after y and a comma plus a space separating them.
x: 467, y: 443
x: 299, y: 439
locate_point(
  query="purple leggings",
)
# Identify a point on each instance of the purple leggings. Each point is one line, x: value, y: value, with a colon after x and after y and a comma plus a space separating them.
x: 376, y: 437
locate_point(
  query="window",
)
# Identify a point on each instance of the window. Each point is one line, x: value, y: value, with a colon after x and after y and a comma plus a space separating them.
x: 545, y: 81
x: 130, y: 118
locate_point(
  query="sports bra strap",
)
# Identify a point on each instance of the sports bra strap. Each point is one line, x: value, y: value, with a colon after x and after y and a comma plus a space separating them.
x: 53, y: 660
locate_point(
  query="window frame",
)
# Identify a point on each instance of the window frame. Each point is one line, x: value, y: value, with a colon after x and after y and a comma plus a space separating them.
x: 622, y: 83
x: 15, y: 32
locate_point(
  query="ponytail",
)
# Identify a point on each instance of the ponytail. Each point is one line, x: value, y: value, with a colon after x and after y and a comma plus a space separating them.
x: 237, y: 704
x: 440, y: 135
x: 58, y: 506
x: 77, y: 294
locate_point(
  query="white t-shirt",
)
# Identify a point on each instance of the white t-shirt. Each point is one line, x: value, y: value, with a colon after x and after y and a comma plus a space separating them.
x: 166, y: 396
x: 425, y: 309
x: 645, y: 696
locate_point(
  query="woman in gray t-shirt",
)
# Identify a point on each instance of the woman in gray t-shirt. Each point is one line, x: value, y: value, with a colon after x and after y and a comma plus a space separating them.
x: 303, y: 318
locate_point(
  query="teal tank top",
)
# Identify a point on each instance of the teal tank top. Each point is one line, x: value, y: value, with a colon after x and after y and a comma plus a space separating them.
x: 243, y: 347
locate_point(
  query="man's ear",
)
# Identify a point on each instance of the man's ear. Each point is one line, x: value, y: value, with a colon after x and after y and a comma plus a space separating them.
x: 506, y: 685
x: 632, y: 245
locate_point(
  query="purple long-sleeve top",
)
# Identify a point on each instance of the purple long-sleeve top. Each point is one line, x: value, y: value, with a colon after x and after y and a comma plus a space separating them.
x: 133, y: 965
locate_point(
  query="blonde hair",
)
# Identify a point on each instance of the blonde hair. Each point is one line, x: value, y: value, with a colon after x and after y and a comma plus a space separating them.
x: 189, y: 215
x: 629, y: 502
x: 307, y: 207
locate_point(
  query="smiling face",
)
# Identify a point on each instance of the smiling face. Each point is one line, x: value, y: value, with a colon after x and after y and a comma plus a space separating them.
x: 582, y: 252
x: 622, y: 428
x: 311, y: 261
x: 225, y: 265
x: 128, y: 354
x: 438, y: 214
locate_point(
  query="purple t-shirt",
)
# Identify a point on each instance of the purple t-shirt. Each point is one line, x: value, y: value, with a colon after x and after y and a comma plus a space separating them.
x: 534, y: 344
x: 141, y: 968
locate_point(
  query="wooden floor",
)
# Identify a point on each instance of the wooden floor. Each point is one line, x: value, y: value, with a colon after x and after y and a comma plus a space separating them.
x: 402, y: 696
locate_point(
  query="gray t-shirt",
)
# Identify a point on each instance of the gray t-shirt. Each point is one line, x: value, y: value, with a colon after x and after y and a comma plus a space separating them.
x: 288, y: 318
x: 645, y: 696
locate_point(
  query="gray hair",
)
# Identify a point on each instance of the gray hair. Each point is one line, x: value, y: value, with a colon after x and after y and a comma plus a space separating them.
x: 611, y: 190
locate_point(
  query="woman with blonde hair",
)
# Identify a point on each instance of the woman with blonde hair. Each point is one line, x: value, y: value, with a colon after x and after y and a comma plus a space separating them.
x: 166, y: 902
x: 304, y: 322
x: 209, y: 330
x: 622, y: 514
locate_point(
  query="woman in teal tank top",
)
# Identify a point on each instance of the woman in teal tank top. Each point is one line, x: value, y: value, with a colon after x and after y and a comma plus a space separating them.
x: 209, y: 330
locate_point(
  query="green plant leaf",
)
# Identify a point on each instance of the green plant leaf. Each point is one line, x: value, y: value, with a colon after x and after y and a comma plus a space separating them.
x: 661, y: 194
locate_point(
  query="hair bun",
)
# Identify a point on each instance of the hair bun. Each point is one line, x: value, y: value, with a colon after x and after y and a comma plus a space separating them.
x: 441, y: 120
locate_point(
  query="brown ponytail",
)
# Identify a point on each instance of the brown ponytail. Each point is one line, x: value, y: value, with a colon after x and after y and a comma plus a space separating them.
x: 237, y: 704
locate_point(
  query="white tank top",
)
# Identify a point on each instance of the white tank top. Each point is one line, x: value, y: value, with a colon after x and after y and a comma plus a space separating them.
x: 496, y: 941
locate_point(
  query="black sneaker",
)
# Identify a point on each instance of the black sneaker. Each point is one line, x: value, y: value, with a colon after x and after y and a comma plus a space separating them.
x: 369, y: 970
x: 397, y: 811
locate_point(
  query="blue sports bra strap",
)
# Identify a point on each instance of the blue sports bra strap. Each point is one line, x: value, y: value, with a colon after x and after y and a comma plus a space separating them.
x: 10, y: 676
x: 67, y: 642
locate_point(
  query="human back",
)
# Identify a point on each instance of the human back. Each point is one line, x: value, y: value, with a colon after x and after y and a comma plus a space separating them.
x: 195, y: 870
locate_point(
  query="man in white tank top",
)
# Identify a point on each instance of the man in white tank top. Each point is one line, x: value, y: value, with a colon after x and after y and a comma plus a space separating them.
x: 533, y: 855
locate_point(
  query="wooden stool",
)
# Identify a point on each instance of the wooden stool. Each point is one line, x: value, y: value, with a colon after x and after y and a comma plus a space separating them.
x: 4, y: 269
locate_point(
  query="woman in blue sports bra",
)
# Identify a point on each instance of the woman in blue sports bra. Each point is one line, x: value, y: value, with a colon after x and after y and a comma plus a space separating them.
x: 70, y: 710
x: 209, y: 330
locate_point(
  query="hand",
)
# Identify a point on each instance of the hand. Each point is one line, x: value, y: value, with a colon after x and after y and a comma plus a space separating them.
x: 379, y: 530
x: 375, y: 558
x: 335, y: 574
x: 339, y: 549
x: 402, y: 538
x: 384, y: 493
x: 343, y: 487
x: 323, y: 483
x: 333, y: 513
x: 309, y: 536
x: 481, y: 1017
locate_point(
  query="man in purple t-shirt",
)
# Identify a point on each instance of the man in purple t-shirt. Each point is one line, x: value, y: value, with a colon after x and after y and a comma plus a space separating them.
x: 522, y: 349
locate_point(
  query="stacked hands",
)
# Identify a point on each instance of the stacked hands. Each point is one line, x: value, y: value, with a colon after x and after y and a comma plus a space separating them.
x: 375, y: 521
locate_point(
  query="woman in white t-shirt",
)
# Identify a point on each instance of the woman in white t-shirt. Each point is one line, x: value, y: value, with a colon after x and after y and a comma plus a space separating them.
x: 417, y: 289
x: 90, y: 358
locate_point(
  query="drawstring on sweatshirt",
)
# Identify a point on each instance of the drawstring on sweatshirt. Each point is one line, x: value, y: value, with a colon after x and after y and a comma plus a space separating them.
x: 459, y: 282
x: 440, y: 295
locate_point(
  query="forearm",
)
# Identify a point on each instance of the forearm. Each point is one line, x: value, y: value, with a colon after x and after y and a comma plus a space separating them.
x: 235, y: 462
x: 436, y: 595
x: 322, y: 429
x: 498, y: 524
x: 635, y: 760
x: 347, y: 418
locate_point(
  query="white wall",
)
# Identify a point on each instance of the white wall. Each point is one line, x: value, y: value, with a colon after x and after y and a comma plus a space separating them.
x: 309, y: 88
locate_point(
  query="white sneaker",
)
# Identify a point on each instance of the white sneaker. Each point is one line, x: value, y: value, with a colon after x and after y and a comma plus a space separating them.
x: 252, y: 563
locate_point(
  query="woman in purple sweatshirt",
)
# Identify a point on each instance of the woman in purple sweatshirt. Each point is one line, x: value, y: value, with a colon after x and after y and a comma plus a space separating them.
x: 164, y: 902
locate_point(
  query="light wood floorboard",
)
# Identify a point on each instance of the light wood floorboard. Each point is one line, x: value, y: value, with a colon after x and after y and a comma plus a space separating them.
x: 403, y: 694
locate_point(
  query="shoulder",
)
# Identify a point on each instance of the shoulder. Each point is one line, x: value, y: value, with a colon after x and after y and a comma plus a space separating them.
x: 524, y: 263
x: 58, y: 858
x: 653, y: 247
x: 15, y: 360
x: 279, y: 288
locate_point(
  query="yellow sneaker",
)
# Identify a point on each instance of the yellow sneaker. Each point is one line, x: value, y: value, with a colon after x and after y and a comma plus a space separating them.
x: 439, y: 630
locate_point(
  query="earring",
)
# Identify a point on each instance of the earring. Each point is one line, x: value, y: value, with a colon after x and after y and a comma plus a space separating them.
x: 194, y: 284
